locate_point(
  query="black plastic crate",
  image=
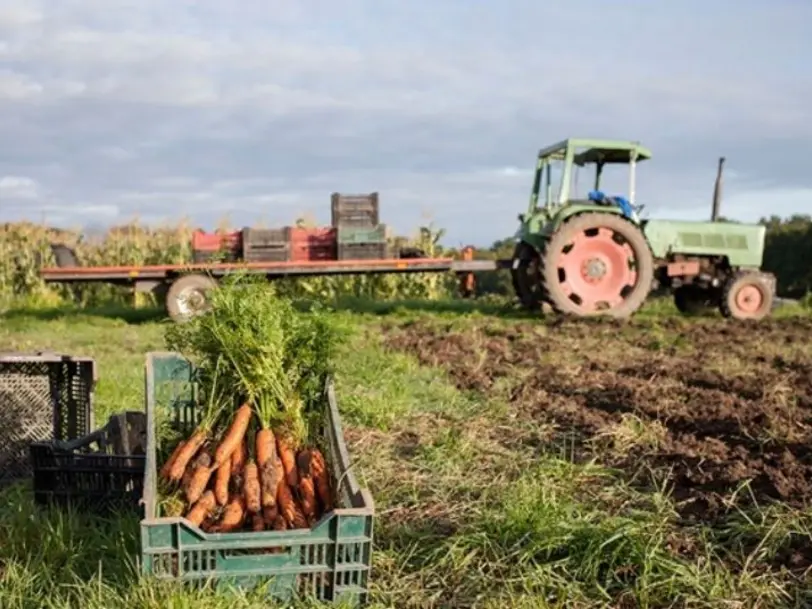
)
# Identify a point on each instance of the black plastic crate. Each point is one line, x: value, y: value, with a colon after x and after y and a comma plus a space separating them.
x: 264, y: 237
x: 270, y: 253
x: 204, y: 256
x: 362, y: 211
x: 363, y: 251
x: 43, y: 396
x: 101, y: 472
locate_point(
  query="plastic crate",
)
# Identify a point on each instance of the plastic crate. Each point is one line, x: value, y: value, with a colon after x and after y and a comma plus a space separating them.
x: 263, y: 237
x: 355, y: 234
x: 100, y: 472
x: 330, y: 561
x: 309, y: 253
x: 313, y: 237
x: 270, y: 253
x: 43, y: 396
x: 363, y: 251
x: 355, y: 210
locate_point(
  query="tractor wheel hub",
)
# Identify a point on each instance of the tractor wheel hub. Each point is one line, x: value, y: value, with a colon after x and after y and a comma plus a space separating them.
x: 593, y: 270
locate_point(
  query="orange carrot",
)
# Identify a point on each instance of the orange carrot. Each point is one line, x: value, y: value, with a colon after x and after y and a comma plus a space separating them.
x: 201, y: 510
x: 168, y: 465
x: 266, y: 446
x: 279, y: 523
x: 221, y: 482
x: 234, y: 435
x: 185, y: 455
x: 270, y: 514
x: 203, y: 458
x: 318, y: 469
x: 238, y: 458
x: 198, y: 483
x: 269, y: 480
x: 258, y: 522
x: 288, y: 462
x: 306, y: 488
x: 233, y: 515
x: 252, y: 488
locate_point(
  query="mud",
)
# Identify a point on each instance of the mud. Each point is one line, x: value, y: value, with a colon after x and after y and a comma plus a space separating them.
x: 708, y: 406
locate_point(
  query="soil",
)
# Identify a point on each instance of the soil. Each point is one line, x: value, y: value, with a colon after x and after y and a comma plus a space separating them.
x: 709, y: 405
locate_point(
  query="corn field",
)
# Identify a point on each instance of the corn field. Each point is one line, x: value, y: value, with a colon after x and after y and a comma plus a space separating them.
x: 26, y: 247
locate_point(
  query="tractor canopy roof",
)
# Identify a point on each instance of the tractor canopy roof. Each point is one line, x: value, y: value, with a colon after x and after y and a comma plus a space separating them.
x: 586, y: 151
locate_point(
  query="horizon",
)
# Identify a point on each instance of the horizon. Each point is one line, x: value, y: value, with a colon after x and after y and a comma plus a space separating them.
x: 258, y: 113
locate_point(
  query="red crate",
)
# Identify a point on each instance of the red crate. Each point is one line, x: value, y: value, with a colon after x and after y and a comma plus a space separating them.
x: 212, y: 242
x: 305, y: 252
x: 313, y: 236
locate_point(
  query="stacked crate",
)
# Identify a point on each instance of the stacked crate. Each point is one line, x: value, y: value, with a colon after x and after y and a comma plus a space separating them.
x: 360, y: 234
x: 309, y: 244
x: 266, y: 244
x: 213, y: 247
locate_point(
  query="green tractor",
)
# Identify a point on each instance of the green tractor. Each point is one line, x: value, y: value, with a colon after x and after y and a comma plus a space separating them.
x: 596, y: 256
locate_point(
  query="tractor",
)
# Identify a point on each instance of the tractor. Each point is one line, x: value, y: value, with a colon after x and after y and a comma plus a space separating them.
x: 595, y: 255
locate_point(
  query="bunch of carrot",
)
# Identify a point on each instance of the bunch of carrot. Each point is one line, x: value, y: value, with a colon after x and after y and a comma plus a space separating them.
x: 253, y: 481
x: 253, y: 466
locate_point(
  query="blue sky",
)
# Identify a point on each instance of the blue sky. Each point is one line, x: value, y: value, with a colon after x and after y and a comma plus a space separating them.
x: 260, y: 109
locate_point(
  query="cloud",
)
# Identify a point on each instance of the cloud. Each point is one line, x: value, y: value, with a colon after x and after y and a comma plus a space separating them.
x: 263, y: 109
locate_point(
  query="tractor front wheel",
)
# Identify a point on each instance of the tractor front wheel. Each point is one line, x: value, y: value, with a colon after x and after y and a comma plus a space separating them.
x: 525, y: 276
x: 746, y: 296
x: 692, y: 300
x: 597, y: 264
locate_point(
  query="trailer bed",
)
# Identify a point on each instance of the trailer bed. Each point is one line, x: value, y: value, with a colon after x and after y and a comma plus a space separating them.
x: 132, y: 274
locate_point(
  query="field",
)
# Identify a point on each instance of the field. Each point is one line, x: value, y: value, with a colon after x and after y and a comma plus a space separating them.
x: 663, y: 462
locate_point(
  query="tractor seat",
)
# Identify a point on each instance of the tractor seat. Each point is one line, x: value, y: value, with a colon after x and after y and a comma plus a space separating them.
x: 622, y: 202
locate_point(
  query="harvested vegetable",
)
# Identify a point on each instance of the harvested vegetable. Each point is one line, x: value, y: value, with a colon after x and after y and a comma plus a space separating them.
x: 251, y: 486
x: 233, y: 515
x: 271, y: 361
x: 202, y: 509
x: 221, y: 482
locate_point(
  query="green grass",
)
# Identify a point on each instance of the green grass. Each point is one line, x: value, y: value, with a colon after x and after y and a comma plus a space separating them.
x: 470, y: 511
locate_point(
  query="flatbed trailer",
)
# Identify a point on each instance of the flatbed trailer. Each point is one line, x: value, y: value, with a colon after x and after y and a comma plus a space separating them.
x: 183, y: 287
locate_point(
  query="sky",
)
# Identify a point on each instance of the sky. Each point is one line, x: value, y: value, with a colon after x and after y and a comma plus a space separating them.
x: 256, y: 110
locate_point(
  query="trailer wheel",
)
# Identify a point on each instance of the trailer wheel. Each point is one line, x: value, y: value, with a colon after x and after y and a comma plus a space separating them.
x: 746, y: 296
x: 188, y: 296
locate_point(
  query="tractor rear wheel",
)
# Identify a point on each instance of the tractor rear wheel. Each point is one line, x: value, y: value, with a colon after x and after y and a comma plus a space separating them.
x: 597, y: 264
x: 525, y: 276
x: 746, y: 296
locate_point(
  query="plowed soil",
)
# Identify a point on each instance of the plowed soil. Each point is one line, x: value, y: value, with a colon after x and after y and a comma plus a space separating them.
x: 707, y: 406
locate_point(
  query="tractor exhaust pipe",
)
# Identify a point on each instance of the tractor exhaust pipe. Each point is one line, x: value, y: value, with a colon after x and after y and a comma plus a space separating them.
x: 717, y: 191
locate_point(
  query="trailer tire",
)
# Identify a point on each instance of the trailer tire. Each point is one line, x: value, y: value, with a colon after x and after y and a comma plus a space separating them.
x: 188, y: 296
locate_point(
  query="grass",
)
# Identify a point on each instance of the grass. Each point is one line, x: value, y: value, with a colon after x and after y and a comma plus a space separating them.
x: 476, y: 506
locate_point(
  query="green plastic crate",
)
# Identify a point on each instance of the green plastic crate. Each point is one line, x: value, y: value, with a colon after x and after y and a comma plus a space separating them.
x: 355, y: 234
x: 330, y: 562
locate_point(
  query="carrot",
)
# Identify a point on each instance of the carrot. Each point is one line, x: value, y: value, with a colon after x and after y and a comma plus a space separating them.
x: 168, y: 465
x: 202, y: 509
x: 266, y: 446
x: 234, y: 435
x: 238, y: 458
x: 257, y: 522
x: 202, y: 458
x: 279, y: 523
x: 221, y: 482
x: 288, y: 508
x: 270, y: 514
x: 269, y: 480
x: 306, y: 488
x: 185, y: 455
x: 318, y: 469
x: 288, y: 462
x: 233, y: 515
x: 198, y: 483
x: 251, y: 486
